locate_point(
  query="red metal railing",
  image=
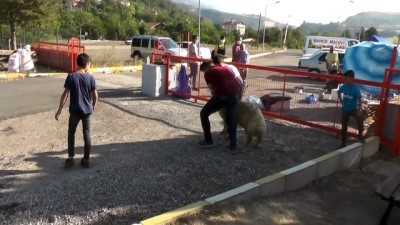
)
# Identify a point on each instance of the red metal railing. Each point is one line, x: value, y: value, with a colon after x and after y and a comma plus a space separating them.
x: 387, y: 117
x: 60, y: 56
x: 324, y: 115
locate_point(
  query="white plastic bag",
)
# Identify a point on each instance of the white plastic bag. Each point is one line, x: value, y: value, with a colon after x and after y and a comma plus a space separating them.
x: 14, y: 62
x: 257, y: 101
x: 26, y: 62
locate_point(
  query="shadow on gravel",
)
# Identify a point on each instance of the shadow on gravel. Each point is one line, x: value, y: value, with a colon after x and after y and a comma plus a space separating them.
x: 4, y: 173
x: 122, y: 92
x: 298, y: 79
x: 128, y: 182
x: 134, y: 94
x: 149, y: 118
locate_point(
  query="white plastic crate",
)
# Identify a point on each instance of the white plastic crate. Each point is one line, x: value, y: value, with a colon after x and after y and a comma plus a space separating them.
x: 153, y: 79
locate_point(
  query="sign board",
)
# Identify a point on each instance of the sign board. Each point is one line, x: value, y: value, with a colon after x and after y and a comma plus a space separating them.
x: 269, y: 23
x: 326, y: 42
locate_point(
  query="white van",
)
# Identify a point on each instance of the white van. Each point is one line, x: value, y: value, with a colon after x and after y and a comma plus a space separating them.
x: 144, y: 45
x: 314, y: 43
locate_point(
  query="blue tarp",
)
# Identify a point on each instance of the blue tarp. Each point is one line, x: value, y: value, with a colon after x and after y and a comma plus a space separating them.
x: 183, y: 83
x: 369, y: 60
x: 375, y: 38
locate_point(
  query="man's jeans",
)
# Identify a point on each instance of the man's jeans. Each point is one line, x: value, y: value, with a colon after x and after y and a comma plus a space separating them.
x: 194, y: 71
x: 345, y: 123
x: 230, y: 102
x: 74, y: 119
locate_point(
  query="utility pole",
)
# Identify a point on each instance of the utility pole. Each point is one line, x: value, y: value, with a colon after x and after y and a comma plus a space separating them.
x: 258, y: 31
x: 286, y: 32
x: 361, y: 26
x: 265, y: 20
x: 199, y: 26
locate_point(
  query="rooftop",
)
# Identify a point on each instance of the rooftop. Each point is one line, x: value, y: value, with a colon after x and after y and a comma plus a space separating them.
x: 232, y: 22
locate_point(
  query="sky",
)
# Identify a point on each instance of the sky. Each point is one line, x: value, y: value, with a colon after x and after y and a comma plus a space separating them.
x: 297, y: 11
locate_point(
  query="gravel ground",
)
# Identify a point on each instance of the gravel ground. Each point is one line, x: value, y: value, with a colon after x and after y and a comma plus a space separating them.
x: 145, y: 160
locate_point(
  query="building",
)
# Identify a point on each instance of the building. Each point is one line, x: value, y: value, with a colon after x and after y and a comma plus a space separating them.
x: 269, y: 23
x: 234, y: 25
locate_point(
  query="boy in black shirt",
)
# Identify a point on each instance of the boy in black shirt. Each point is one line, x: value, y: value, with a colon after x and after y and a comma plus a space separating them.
x: 82, y: 88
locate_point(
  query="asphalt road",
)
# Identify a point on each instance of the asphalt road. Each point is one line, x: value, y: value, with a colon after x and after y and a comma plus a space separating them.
x: 288, y: 60
x: 29, y: 96
x: 35, y: 95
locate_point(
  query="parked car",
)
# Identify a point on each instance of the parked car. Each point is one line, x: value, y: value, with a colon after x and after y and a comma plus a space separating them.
x: 316, y: 62
x: 205, y: 52
x: 128, y: 41
x: 144, y: 45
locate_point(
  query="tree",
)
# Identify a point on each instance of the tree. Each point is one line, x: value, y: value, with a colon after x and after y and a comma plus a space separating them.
x: 89, y: 5
x: 209, y: 33
x: 68, y: 25
x: 251, y: 33
x: 273, y: 36
x: 24, y: 12
x: 369, y: 33
x: 395, y: 40
x: 295, y: 39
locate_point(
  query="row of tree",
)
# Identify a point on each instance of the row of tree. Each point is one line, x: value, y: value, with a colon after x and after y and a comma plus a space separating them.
x: 29, y: 20
x: 336, y: 30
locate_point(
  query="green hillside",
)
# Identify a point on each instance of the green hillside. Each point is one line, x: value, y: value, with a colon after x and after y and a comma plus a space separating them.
x: 219, y: 17
x: 387, y: 25
x: 111, y: 20
x: 379, y: 20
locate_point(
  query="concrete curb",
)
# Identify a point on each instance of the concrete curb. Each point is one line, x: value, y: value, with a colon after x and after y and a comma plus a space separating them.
x: 248, y: 189
x: 287, y: 180
x: 33, y: 75
x: 12, y: 76
x: 116, y: 69
x: 169, y: 216
x: 266, y: 53
x: 259, y: 55
x: 15, y: 76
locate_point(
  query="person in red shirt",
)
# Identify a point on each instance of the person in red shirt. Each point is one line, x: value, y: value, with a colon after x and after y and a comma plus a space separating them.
x: 225, y: 89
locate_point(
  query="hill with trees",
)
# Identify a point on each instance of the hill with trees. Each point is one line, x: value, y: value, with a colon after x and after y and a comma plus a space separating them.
x: 24, y: 21
x: 385, y: 25
x: 30, y: 20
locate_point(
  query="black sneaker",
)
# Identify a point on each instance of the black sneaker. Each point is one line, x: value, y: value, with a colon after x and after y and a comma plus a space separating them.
x: 343, y: 145
x: 206, y: 144
x: 69, y: 163
x: 85, y: 163
x: 233, y: 150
